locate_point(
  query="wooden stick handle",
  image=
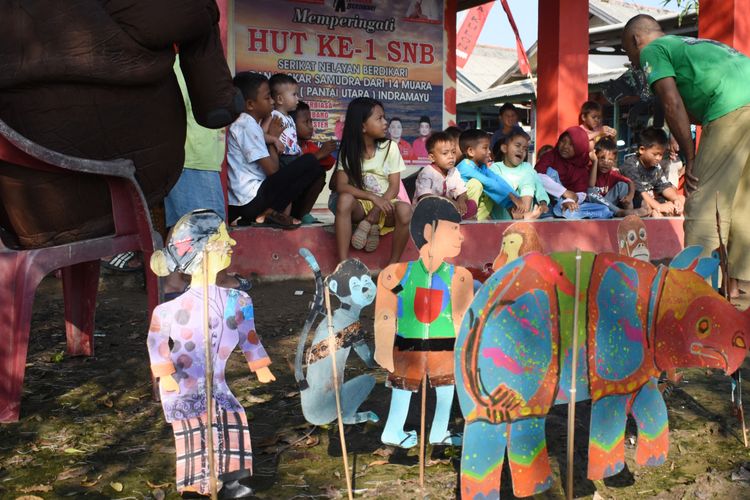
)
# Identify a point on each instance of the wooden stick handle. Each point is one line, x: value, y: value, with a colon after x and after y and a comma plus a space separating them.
x: 332, y: 354
x: 574, y: 370
x: 209, y: 374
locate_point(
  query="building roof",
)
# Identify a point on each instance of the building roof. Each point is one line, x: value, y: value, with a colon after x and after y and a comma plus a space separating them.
x: 486, y: 64
x: 522, y: 91
x: 602, y: 13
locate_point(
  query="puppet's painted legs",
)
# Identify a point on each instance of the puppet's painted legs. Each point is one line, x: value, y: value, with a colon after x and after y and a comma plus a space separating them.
x: 353, y: 393
x: 607, y: 436
x: 439, y: 430
x: 527, y: 457
x: 393, y: 433
x: 482, y: 459
x: 650, y: 414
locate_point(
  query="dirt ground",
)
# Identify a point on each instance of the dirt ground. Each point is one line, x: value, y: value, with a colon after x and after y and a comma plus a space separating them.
x: 89, y: 427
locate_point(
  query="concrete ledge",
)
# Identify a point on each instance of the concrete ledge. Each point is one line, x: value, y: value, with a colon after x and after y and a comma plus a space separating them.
x: 272, y: 253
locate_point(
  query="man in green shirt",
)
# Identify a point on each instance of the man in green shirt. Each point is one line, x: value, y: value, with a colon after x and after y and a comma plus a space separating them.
x: 707, y: 83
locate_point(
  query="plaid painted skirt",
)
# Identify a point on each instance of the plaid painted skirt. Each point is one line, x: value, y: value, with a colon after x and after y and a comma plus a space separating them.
x: 231, y: 449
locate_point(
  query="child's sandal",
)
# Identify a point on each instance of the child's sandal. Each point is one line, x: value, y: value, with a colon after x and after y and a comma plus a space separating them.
x: 360, y: 235
x: 373, y: 238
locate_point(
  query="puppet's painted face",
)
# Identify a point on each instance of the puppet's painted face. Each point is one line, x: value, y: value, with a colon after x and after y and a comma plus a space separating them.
x: 220, y: 250
x: 447, y: 240
x: 511, y: 246
x: 697, y: 327
x: 632, y: 239
x: 363, y: 290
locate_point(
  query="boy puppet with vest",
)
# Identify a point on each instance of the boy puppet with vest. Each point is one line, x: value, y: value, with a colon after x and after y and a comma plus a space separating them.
x: 418, y: 312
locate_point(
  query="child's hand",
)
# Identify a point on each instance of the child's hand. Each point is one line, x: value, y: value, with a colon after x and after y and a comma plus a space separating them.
x: 278, y: 145
x: 627, y: 199
x: 570, y: 205
x: 543, y: 208
x: 382, y: 204
x: 264, y: 375
x: 327, y: 148
x: 461, y: 206
x: 666, y: 208
x: 275, y: 126
x: 169, y: 384
x: 593, y: 158
x: 679, y: 205
x: 517, y: 201
x: 609, y: 131
x: 570, y: 195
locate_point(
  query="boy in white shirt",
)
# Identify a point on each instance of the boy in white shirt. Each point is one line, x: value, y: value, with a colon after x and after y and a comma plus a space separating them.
x: 259, y: 191
x: 441, y: 177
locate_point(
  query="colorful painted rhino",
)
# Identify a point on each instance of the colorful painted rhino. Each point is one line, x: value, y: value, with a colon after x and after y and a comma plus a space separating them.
x: 513, y: 359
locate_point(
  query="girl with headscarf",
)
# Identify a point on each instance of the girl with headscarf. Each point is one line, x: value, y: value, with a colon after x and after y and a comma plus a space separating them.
x: 564, y: 172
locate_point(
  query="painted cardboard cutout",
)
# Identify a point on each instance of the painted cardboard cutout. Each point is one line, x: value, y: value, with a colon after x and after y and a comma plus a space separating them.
x: 632, y: 238
x: 418, y: 310
x: 181, y: 368
x: 352, y: 285
x: 635, y: 321
x: 519, y: 239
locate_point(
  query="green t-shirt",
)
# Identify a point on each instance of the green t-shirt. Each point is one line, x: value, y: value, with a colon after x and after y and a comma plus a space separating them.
x: 712, y: 78
x: 204, y: 147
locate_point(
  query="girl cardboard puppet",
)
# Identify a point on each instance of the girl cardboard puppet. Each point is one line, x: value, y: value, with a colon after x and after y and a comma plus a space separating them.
x: 181, y: 369
x: 418, y: 311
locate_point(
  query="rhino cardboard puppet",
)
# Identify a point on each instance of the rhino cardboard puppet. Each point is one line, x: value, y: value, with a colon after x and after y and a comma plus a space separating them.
x: 513, y: 359
x: 94, y: 80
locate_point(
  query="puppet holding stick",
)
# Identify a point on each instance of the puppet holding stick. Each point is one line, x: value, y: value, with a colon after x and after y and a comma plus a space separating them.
x: 200, y: 246
x: 418, y: 310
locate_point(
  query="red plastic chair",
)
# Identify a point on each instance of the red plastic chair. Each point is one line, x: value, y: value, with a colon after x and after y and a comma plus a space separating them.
x: 21, y: 270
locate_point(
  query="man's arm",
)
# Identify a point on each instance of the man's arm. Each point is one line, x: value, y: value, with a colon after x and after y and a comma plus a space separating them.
x: 679, y: 124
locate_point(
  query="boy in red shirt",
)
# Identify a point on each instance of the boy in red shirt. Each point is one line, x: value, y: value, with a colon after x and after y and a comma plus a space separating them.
x: 305, y: 131
x: 609, y: 187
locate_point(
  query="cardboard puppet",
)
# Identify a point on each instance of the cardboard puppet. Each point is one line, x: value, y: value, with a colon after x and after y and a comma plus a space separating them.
x: 519, y: 239
x: 181, y: 369
x: 513, y: 359
x: 632, y: 238
x: 352, y: 285
x: 418, y: 310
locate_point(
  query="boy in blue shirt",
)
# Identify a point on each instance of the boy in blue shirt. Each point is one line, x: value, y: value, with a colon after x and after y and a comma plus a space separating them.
x: 484, y: 187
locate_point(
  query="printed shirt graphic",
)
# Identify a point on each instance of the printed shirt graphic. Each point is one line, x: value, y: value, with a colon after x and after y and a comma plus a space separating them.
x: 289, y: 136
x: 712, y: 78
x: 375, y: 170
x: 424, y: 309
x: 431, y: 181
x: 181, y: 320
x: 646, y: 180
x: 605, y: 182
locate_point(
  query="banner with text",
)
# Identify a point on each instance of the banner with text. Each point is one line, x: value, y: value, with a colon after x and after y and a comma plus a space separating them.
x: 391, y: 50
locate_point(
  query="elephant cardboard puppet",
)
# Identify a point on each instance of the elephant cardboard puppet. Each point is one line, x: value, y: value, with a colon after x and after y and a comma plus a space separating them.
x: 94, y: 80
x: 352, y: 285
x: 418, y: 310
x: 199, y: 245
x: 513, y: 358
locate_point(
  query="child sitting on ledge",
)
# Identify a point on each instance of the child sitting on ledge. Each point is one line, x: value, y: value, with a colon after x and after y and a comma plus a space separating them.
x: 484, y: 187
x: 441, y: 177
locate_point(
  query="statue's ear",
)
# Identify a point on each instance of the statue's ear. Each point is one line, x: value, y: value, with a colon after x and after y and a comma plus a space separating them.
x: 159, y: 263
x: 333, y: 286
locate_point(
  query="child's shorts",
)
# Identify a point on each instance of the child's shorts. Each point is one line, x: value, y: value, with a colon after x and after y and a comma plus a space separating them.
x: 367, y: 205
x: 409, y: 367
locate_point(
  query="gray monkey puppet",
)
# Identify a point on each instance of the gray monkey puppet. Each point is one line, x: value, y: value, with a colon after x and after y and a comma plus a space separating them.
x: 351, y: 284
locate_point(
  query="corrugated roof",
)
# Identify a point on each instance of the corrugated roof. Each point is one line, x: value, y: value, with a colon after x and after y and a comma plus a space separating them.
x: 522, y: 90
